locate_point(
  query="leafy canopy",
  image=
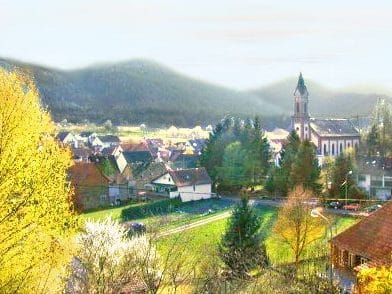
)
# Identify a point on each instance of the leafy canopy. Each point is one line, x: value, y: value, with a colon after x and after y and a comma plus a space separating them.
x: 35, y: 213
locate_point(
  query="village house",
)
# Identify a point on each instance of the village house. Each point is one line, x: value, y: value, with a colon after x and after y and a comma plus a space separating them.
x: 375, y: 180
x: 90, y: 185
x: 330, y: 136
x: 137, y: 159
x: 109, y: 141
x: 112, y: 150
x: 367, y: 243
x: 188, y: 184
x: 183, y: 160
x: 87, y: 137
x: 276, y: 139
x: 152, y: 171
x: 196, y: 145
x: 67, y: 138
x: 81, y: 154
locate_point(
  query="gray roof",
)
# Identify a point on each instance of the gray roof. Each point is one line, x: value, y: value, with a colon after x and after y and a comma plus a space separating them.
x: 62, y: 135
x: 109, y: 139
x: 189, y: 177
x: 334, y: 127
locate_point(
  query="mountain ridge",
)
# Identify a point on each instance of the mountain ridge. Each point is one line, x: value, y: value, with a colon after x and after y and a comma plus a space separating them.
x: 144, y: 91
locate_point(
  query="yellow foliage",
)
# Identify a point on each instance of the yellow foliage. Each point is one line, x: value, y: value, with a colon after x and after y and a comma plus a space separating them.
x: 375, y: 280
x: 295, y: 225
x: 36, y: 218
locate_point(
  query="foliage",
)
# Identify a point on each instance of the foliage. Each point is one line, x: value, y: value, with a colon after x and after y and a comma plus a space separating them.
x: 298, y: 166
x: 295, y: 225
x: 379, y: 138
x: 36, y: 218
x: 344, y: 163
x: 375, y: 280
x: 241, y: 247
x: 107, y: 260
x: 233, y: 170
x: 236, y: 154
x: 305, y: 170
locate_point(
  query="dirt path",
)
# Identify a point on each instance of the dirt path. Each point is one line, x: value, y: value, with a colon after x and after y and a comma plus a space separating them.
x: 195, y: 224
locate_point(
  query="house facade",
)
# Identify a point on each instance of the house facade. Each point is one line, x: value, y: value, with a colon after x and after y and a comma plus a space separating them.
x: 188, y: 184
x: 330, y: 136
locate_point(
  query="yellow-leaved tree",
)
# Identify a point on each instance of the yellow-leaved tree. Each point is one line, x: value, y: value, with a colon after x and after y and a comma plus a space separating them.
x: 295, y: 226
x: 36, y: 217
x: 375, y: 280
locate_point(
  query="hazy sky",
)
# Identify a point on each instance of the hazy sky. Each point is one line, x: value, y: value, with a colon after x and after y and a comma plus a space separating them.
x: 240, y: 44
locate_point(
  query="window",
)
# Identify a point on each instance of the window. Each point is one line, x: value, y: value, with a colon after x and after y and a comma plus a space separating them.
x: 194, y: 188
x: 341, y: 148
x: 348, y: 145
x: 305, y: 108
x: 297, y: 107
x: 325, y: 149
x: 333, y: 149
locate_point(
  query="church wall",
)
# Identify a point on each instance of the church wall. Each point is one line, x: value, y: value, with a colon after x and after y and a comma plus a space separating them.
x: 342, y: 144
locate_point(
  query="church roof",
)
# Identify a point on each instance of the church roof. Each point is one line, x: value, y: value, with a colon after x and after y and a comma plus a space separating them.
x: 333, y: 127
x: 301, y: 88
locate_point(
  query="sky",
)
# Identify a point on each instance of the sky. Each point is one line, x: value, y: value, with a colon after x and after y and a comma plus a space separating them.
x: 240, y: 44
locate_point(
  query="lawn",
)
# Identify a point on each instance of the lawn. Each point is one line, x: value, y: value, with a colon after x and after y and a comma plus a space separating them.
x: 163, y: 213
x: 203, y: 240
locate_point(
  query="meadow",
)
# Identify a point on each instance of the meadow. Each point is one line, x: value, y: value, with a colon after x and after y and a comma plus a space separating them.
x: 200, y: 241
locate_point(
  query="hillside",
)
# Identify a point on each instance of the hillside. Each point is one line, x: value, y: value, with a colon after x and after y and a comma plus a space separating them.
x: 323, y: 102
x: 143, y: 91
x: 137, y: 91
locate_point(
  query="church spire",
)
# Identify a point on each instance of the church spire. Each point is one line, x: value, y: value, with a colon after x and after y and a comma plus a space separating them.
x: 301, y: 85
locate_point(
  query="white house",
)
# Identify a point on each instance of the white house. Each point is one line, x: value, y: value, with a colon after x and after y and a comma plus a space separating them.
x: 87, y: 137
x: 188, y: 184
x: 67, y: 138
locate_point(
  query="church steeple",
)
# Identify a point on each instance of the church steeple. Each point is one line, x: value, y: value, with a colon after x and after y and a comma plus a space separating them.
x: 301, y: 114
x: 301, y: 88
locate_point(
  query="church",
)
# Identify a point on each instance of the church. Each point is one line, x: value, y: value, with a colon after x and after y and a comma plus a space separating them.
x: 331, y: 136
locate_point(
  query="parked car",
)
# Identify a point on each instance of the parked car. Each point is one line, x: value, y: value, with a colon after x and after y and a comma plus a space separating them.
x: 335, y: 205
x: 352, y: 206
x: 373, y: 208
x: 135, y: 228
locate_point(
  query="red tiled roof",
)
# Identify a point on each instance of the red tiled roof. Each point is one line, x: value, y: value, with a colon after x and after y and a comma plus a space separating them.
x: 127, y: 146
x: 87, y: 174
x: 371, y: 237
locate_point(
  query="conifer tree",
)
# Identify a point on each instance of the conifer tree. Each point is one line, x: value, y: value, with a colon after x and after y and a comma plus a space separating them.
x: 242, y: 247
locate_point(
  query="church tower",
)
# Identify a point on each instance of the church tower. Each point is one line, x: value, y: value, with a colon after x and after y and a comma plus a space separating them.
x: 300, y: 120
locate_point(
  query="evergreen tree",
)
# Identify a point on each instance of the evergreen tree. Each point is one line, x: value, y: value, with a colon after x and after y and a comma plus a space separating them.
x: 242, y: 247
x: 373, y: 141
x: 305, y: 170
x: 343, y: 164
x: 234, y: 170
x: 278, y: 179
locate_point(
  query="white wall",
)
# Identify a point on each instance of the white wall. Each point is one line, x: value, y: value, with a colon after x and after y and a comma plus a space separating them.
x: 201, y: 192
x: 164, y: 180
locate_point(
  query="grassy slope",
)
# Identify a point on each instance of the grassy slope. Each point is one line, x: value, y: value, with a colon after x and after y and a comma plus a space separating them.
x: 207, y: 237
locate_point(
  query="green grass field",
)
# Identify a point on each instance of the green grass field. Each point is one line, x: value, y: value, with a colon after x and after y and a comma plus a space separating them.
x: 199, y: 241
x: 161, y: 214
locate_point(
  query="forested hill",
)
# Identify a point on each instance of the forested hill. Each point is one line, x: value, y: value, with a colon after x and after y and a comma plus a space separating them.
x: 138, y: 91
x: 323, y: 102
x: 143, y: 91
